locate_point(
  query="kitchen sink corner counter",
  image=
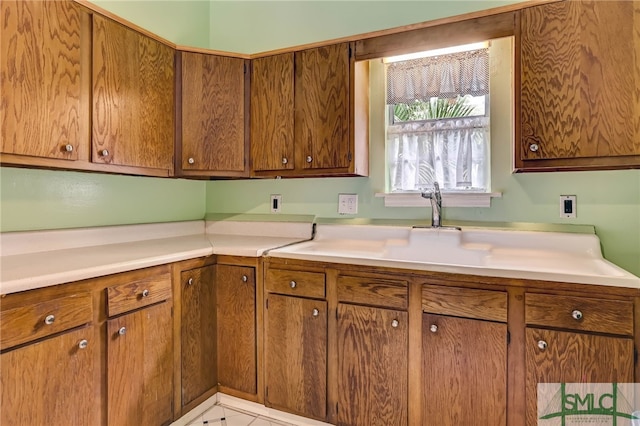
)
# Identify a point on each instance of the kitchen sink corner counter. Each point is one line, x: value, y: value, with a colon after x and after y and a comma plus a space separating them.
x: 557, y: 253
x: 36, y: 259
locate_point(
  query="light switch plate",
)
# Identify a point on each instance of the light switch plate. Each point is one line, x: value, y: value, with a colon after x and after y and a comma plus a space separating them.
x: 568, y: 206
x: 348, y: 203
x: 276, y: 203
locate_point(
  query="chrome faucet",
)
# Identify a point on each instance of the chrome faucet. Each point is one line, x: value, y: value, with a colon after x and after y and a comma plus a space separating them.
x: 436, y: 205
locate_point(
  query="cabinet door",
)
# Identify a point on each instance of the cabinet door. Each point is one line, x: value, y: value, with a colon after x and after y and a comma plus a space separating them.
x: 372, y: 366
x: 322, y: 107
x: 52, y: 381
x: 579, y: 68
x: 198, y: 332
x: 133, y: 98
x: 296, y: 355
x: 213, y: 99
x: 40, y: 112
x: 236, y: 328
x: 272, y: 113
x: 140, y: 367
x: 464, y: 368
x: 567, y: 357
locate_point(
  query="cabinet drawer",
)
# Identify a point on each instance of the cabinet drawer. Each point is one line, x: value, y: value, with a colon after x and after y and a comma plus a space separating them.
x: 132, y: 295
x: 580, y: 313
x: 372, y: 291
x: 31, y: 322
x: 487, y: 305
x: 297, y: 283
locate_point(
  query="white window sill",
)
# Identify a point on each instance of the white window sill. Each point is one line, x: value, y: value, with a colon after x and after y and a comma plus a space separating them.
x: 449, y: 199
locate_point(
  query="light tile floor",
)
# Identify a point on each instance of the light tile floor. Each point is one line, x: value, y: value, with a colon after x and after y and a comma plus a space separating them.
x: 221, y: 415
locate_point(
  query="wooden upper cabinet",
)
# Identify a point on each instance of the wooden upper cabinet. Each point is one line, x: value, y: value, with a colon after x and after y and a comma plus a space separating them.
x: 580, y: 86
x: 322, y: 107
x: 133, y: 99
x: 41, y: 69
x: 272, y: 112
x: 211, y: 110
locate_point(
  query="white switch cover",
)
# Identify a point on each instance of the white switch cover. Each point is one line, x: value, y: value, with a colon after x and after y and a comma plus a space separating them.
x: 348, y: 203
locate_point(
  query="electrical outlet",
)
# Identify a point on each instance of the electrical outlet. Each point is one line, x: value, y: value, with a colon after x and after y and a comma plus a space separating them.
x: 348, y: 203
x: 568, y: 206
x: 276, y: 203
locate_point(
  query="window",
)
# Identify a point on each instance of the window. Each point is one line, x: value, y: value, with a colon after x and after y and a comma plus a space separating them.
x: 438, y: 120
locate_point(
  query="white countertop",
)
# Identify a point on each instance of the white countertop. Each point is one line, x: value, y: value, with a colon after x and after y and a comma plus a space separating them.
x: 38, y: 259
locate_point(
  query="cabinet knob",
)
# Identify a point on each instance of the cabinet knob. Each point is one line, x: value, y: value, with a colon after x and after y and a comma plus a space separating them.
x: 49, y: 319
x: 68, y: 147
x: 309, y: 158
x: 284, y: 160
x: 315, y: 312
x: 577, y: 315
x: 191, y: 160
x: 293, y: 284
x: 145, y: 293
x: 104, y: 153
x: 122, y: 331
x: 245, y: 278
x: 534, y: 147
x: 542, y: 345
x: 190, y: 281
x: 83, y: 344
x: 395, y: 323
x: 433, y: 328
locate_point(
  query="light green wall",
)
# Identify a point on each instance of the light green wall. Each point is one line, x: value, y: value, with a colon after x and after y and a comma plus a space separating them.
x: 610, y: 200
x: 184, y: 22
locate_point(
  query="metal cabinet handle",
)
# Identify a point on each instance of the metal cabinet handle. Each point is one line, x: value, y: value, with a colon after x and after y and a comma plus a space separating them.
x: 534, y: 147
x: 190, y: 281
x: 433, y: 328
x: 104, y: 152
x: 122, y: 331
x: 315, y: 312
x: 68, y: 148
x: 145, y: 293
x: 293, y: 284
x: 542, y: 345
x: 395, y: 323
x: 49, y: 319
x: 191, y: 160
x: 83, y: 344
x: 577, y: 315
x: 284, y: 160
x: 309, y: 159
x: 245, y: 278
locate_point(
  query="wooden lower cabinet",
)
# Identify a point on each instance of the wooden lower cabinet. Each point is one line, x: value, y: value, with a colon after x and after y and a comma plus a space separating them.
x: 464, y: 370
x: 140, y: 367
x: 198, y: 333
x: 296, y: 355
x: 54, y: 382
x: 372, y: 366
x: 236, y: 329
x: 570, y: 357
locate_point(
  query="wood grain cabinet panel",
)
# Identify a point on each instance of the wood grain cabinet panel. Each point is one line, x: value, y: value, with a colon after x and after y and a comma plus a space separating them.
x: 372, y: 366
x: 133, y: 98
x: 140, y: 367
x: 41, y: 68
x: 53, y: 381
x: 296, y: 355
x: 138, y: 293
x: 198, y: 332
x: 464, y: 370
x: 563, y: 357
x: 212, y: 110
x: 580, y: 73
x: 236, y: 328
x: 272, y: 112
